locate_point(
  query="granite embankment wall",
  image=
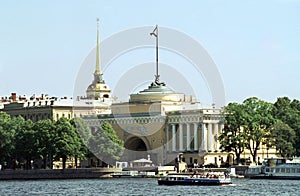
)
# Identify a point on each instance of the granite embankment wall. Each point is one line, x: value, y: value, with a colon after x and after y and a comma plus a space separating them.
x: 57, y: 173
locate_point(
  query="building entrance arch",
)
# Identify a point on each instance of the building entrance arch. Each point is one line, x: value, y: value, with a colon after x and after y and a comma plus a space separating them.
x: 135, y: 144
x: 135, y: 148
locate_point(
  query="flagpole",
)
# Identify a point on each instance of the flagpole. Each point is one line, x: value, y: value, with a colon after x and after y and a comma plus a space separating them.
x: 157, y: 76
x: 155, y: 33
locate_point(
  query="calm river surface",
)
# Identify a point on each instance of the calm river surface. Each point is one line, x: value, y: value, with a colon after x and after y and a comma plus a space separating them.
x: 146, y: 187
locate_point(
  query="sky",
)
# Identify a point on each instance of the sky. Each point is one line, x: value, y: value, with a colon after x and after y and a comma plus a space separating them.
x: 254, y: 44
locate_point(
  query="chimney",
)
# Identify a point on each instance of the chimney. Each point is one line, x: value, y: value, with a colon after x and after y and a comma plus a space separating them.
x: 14, y: 96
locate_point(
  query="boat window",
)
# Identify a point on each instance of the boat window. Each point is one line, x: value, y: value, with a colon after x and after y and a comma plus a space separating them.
x: 277, y: 170
x: 287, y: 170
x: 298, y: 170
x: 292, y: 170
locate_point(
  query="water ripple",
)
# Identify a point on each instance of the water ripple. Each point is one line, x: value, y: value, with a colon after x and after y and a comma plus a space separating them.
x: 146, y: 187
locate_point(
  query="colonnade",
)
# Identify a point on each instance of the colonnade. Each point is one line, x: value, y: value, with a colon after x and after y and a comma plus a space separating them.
x: 193, y: 136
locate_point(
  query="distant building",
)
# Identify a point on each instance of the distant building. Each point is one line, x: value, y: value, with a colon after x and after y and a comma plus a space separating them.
x: 44, y: 107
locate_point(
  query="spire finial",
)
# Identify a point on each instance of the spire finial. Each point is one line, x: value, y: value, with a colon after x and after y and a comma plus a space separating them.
x: 98, y: 68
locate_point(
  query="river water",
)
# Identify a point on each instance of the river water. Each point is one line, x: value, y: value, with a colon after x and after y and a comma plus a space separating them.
x: 146, y: 187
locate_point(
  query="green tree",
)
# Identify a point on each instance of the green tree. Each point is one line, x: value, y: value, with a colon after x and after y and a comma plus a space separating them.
x: 45, y: 135
x: 283, y: 138
x: 232, y: 138
x: 105, y: 144
x: 7, y: 135
x: 82, y: 129
x: 66, y: 142
x: 289, y: 112
x: 84, y: 135
x: 258, y: 122
x: 25, y: 150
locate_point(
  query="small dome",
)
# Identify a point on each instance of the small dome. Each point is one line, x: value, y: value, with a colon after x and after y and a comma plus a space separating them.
x: 156, y: 92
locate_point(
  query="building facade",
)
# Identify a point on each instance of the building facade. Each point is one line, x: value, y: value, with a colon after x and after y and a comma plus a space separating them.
x: 44, y: 107
x: 156, y: 121
x: 162, y: 123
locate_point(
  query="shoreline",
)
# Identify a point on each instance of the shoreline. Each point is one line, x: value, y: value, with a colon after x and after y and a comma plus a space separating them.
x: 48, y: 174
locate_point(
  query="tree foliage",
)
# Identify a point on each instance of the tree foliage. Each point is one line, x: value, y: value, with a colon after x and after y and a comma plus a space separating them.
x: 23, y: 142
x: 66, y: 140
x: 283, y: 138
x: 105, y: 144
x: 258, y: 122
x: 232, y: 138
x: 45, y: 134
x: 25, y: 150
x: 84, y: 134
x: 289, y: 113
x: 7, y: 137
x: 246, y: 126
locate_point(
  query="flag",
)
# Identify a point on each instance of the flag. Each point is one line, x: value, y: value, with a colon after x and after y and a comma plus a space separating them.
x: 155, y: 32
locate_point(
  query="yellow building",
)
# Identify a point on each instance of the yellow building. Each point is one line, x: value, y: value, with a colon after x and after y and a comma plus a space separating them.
x: 163, y: 123
x: 44, y: 107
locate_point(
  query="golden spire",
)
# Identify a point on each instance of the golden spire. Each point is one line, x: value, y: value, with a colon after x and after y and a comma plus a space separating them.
x: 98, y: 72
x: 98, y: 68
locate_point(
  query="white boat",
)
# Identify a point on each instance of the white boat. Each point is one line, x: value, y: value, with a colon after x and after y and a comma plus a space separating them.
x: 275, y: 168
x: 205, y: 179
x: 133, y: 174
x: 127, y: 174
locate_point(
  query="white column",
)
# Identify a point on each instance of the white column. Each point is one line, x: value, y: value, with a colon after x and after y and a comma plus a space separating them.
x: 210, y: 137
x: 188, y: 137
x: 195, y: 137
x: 167, y: 138
x: 180, y: 137
x: 216, y: 135
x: 173, y: 138
x: 204, y: 137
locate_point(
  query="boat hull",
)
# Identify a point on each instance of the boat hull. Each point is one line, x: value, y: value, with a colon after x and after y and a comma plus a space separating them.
x: 194, y: 182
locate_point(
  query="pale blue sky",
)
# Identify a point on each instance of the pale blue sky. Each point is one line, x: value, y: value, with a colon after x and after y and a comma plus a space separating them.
x: 255, y: 44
